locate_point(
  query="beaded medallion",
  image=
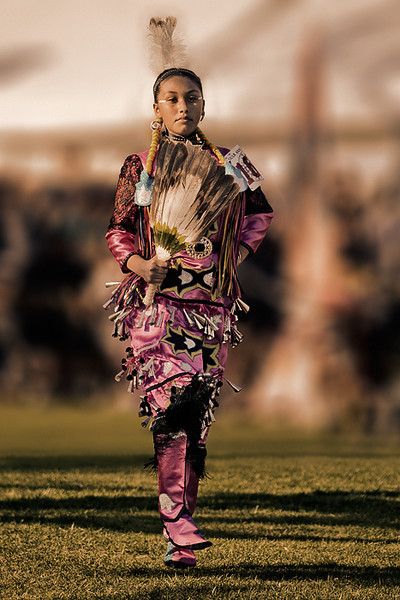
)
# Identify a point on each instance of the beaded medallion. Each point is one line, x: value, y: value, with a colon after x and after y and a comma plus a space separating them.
x: 200, y: 249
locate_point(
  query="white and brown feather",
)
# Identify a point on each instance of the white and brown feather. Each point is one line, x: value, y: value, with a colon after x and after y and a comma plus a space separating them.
x: 190, y: 189
x: 166, y: 48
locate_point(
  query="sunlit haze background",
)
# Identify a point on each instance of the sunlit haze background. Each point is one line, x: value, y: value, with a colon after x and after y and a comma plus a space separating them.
x: 311, y: 91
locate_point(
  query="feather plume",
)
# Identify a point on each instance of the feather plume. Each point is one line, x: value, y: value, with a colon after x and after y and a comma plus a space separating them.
x: 190, y: 192
x: 166, y: 48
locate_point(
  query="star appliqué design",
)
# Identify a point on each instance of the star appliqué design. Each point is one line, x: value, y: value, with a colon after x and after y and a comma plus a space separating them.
x: 183, y: 342
x: 181, y: 279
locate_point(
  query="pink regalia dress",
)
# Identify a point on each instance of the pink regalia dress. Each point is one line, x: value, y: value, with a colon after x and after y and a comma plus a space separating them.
x: 190, y: 325
x: 177, y: 348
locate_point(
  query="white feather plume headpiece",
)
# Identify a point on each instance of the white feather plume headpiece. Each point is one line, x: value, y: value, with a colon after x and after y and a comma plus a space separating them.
x: 167, y: 50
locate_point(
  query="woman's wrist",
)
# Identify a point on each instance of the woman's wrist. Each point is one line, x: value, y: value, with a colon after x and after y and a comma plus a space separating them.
x: 135, y: 264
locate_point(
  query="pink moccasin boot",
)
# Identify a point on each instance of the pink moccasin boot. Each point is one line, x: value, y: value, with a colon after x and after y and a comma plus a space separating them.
x: 175, y: 504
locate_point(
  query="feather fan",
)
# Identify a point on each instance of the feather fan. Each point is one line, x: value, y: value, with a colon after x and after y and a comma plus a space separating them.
x: 190, y: 192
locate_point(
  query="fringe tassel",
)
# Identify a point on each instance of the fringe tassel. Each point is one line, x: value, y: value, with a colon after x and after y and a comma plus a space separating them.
x: 203, y: 323
x: 125, y: 298
x: 108, y: 303
x: 112, y: 283
x: 227, y: 274
x: 145, y: 236
x: 240, y: 304
x: 236, y: 388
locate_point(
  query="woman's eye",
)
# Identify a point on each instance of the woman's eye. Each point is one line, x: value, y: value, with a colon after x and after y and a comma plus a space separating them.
x: 192, y: 99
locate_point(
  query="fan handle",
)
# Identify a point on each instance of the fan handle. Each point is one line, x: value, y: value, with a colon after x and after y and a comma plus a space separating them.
x: 163, y: 254
x: 150, y: 293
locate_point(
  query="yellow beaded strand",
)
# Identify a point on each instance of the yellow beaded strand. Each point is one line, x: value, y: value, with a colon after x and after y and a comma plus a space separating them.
x: 212, y: 147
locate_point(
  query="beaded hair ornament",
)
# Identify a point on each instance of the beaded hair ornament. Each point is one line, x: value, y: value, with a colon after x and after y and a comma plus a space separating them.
x: 168, y: 54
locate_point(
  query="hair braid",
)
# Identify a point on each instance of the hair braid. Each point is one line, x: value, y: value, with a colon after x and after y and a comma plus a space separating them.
x: 155, y: 140
x: 213, y: 148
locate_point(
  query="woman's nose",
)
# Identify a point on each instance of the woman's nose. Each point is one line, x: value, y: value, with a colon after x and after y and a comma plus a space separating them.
x: 182, y: 105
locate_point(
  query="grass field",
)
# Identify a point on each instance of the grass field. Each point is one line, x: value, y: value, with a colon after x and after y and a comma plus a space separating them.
x: 290, y: 517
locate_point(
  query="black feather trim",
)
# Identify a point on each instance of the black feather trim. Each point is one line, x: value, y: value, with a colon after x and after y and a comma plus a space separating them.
x: 187, y: 413
x: 188, y: 408
x: 197, y: 458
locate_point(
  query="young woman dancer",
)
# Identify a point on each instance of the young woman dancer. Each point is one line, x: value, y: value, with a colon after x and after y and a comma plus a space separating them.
x: 178, y: 346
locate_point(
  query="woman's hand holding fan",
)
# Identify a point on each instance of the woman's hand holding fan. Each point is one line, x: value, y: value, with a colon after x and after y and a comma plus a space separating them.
x: 190, y: 191
x: 167, y: 244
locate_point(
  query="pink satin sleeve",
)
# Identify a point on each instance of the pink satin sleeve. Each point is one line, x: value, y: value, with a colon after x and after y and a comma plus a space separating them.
x: 122, y: 245
x: 254, y: 228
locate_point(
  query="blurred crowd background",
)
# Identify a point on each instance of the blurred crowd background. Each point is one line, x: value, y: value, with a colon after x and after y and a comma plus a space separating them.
x: 310, y: 90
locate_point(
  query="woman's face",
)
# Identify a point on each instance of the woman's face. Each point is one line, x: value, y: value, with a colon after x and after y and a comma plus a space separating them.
x: 180, y: 105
